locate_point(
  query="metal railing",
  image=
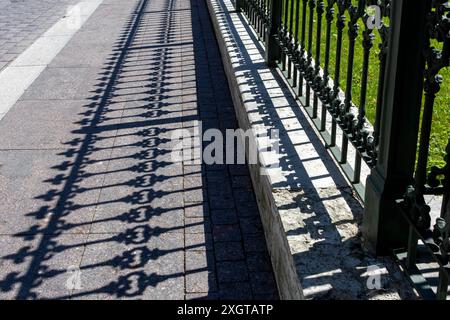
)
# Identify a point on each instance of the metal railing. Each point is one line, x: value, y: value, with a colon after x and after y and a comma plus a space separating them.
x: 361, y: 69
x: 322, y: 70
x: 434, y: 181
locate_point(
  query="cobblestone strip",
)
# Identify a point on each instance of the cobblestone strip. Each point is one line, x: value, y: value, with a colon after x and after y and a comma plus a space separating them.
x: 223, y: 199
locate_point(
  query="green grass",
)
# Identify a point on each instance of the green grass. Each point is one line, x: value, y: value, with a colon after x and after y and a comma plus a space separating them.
x: 441, y: 116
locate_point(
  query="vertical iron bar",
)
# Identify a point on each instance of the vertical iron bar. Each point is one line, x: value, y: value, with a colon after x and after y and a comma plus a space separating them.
x: 256, y: 3
x: 296, y: 39
x: 266, y: 14
x: 340, y: 24
x: 357, y: 169
x: 352, y: 34
x: 261, y: 19
x: 381, y: 76
x: 316, y: 80
x: 285, y: 33
x: 442, y: 289
x: 308, y: 66
x: 424, y: 145
x: 326, y: 73
x: 272, y: 47
x: 291, y: 37
x: 367, y: 45
x: 412, y: 248
x: 302, y: 46
x: 239, y: 5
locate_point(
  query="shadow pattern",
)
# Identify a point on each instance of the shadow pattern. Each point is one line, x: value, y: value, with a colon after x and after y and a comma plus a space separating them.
x: 118, y: 214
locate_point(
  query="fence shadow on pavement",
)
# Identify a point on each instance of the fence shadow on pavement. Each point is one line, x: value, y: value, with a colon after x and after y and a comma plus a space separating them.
x: 115, y: 209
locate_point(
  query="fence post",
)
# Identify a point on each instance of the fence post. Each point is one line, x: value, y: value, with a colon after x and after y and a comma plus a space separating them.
x: 239, y: 5
x: 273, y: 52
x: 383, y: 226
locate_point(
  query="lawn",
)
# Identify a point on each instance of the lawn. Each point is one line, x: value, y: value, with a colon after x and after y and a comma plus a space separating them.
x: 441, y: 117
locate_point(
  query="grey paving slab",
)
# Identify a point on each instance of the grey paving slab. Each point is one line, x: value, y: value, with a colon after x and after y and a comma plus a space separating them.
x: 236, y: 291
x: 199, y: 241
x: 229, y: 251
x: 29, y: 20
x: 200, y: 276
x: 88, y: 187
x: 62, y: 84
x: 36, y: 186
x: 39, y: 267
x: 194, y: 210
x: 76, y: 55
x: 225, y: 216
x: 47, y: 124
x: 264, y: 284
x: 15, y: 261
x: 147, y: 268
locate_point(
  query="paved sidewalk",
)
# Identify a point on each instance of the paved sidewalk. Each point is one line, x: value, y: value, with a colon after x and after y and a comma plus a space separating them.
x: 22, y: 21
x: 91, y: 205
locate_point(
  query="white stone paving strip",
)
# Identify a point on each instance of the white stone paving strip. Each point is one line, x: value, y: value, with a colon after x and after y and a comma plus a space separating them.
x: 22, y: 72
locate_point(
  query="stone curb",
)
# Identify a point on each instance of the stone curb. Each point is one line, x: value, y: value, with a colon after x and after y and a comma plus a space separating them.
x: 283, y: 264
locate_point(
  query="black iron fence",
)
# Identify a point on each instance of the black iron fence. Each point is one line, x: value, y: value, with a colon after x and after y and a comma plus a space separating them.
x: 367, y: 73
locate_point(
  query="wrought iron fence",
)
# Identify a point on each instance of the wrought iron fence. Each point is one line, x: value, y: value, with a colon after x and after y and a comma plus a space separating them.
x: 361, y: 69
x: 309, y: 38
x: 434, y: 181
x: 258, y: 14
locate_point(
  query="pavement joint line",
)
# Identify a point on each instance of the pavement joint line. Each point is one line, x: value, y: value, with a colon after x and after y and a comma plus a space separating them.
x: 25, y: 69
x: 31, y: 149
x: 100, y: 233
